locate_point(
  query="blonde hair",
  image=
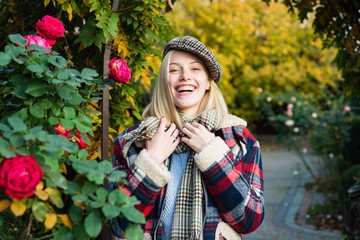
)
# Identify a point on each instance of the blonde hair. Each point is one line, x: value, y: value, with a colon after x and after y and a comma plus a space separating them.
x: 162, y: 103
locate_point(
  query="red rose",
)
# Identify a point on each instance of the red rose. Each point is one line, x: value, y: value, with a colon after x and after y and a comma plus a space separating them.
x: 59, y: 129
x: 32, y: 39
x: 19, y: 176
x: 119, y: 71
x: 79, y: 141
x: 50, y: 28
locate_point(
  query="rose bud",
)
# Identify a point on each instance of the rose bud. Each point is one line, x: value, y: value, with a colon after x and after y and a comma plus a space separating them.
x: 50, y: 28
x: 119, y: 71
x: 59, y: 129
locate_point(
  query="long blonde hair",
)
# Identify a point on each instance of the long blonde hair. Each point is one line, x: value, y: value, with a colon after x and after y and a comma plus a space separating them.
x: 162, y: 103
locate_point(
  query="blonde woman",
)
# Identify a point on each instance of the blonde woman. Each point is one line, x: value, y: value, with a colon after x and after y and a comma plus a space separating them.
x: 195, y: 169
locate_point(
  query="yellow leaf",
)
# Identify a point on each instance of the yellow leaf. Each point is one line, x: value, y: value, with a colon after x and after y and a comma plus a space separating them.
x: 50, y: 220
x: 55, y: 196
x: 42, y: 195
x: 63, y: 168
x: 66, y: 220
x: 4, y: 204
x: 40, y: 186
x: 18, y: 207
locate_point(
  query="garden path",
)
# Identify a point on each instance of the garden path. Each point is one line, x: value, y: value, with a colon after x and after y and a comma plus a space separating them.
x: 284, y: 175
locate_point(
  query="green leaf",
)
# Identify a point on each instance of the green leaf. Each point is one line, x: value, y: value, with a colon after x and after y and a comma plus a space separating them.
x: 58, y: 179
x: 37, y: 111
x: 4, y: 128
x: 56, y: 142
x: 76, y: 213
x: 53, y: 120
x: 117, y: 197
x: 35, y: 68
x: 45, y: 103
x: 88, y: 73
x: 64, y: 233
x: 4, y: 149
x: 117, y: 176
x: 18, y: 39
x: 17, y: 124
x: 22, y: 114
x: 79, y: 198
x: 109, y: 82
x: 73, y: 188
x: 37, y: 89
x: 132, y: 214
x: 82, y: 154
x: 93, y: 223
x: 14, y: 52
x: 57, y: 61
x: 85, y: 138
x: 56, y: 109
x: 101, y: 193
x: 65, y: 91
x: 85, y: 166
x: 20, y: 91
x: 39, y: 210
x: 4, y: 59
x: 69, y: 113
x: 134, y: 232
x: 67, y: 124
x: 80, y: 232
x: 111, y: 211
x: 55, y: 197
x: 76, y: 99
x: 16, y: 139
x: 83, y: 123
x: 88, y: 189
x: 22, y: 151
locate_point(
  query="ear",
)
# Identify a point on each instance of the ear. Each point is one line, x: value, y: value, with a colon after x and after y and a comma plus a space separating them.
x: 208, y: 85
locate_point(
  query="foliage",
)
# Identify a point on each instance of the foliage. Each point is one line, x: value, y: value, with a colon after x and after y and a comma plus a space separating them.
x: 258, y: 47
x: 337, y: 23
x: 38, y: 92
x: 132, y: 31
x: 329, y: 125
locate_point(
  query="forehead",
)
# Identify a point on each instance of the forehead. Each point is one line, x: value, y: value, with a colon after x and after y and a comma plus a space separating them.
x: 184, y: 57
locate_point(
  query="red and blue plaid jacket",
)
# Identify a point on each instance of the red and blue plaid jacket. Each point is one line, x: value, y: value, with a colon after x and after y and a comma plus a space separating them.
x: 233, y: 186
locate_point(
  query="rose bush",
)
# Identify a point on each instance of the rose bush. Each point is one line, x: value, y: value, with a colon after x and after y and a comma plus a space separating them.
x: 44, y: 117
x: 19, y: 176
x: 50, y: 28
x: 119, y: 71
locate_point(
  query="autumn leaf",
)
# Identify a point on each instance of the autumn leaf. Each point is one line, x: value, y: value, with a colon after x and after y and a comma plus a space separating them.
x: 50, y: 220
x: 4, y: 204
x: 18, y: 208
x: 66, y: 220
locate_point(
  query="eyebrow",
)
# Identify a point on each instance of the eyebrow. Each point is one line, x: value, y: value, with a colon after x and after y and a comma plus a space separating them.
x: 175, y: 63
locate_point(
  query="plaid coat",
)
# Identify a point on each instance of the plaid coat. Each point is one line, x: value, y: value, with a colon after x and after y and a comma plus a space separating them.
x: 232, y: 177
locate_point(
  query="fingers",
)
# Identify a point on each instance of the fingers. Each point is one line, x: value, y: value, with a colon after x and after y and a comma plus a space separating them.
x: 162, y: 125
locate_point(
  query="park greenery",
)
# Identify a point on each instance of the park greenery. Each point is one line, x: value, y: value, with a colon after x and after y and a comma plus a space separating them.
x: 272, y: 62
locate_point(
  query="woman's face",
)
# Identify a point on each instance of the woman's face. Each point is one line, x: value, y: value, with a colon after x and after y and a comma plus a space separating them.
x: 188, y: 80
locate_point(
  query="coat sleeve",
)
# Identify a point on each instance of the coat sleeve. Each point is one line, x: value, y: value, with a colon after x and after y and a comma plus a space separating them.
x: 144, y: 178
x: 232, y: 171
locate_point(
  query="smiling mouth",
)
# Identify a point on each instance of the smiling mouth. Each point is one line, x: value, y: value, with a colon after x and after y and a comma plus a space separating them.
x: 184, y: 89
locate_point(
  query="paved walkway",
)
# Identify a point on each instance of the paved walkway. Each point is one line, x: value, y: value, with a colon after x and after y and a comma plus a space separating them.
x: 284, y: 176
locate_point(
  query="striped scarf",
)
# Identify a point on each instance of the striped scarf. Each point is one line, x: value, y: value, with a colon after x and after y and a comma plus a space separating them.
x: 188, y: 218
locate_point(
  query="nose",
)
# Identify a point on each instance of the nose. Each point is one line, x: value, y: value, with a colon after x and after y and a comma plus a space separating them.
x: 185, y: 75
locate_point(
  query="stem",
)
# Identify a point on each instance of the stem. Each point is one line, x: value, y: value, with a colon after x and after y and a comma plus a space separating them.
x: 124, y: 9
x: 47, y: 236
x: 25, y: 233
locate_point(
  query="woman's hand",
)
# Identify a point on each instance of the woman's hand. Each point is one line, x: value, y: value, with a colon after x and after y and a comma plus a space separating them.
x: 197, y: 136
x: 163, y: 144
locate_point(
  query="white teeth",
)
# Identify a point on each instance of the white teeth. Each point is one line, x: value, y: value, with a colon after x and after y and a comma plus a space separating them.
x: 185, y: 88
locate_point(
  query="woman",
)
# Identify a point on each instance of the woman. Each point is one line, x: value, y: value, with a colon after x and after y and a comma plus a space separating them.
x: 195, y: 169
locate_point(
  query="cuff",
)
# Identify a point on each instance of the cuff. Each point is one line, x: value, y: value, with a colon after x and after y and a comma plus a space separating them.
x: 213, y: 152
x: 158, y: 174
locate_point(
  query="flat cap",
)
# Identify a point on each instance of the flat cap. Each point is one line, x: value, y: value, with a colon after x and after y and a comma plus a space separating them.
x: 194, y: 46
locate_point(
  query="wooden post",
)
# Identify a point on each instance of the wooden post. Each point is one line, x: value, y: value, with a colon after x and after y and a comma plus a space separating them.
x: 105, y: 234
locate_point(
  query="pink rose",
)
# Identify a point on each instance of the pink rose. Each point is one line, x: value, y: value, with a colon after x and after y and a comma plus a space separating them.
x: 119, y: 71
x: 19, y: 176
x: 59, y: 129
x: 79, y: 141
x: 33, y: 39
x: 50, y: 28
x: 347, y: 109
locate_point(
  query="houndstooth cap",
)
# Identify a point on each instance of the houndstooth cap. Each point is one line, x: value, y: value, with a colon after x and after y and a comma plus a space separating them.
x: 194, y: 46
